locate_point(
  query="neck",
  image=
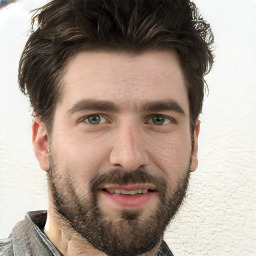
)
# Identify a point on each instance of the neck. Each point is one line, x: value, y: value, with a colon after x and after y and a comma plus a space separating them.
x: 69, y: 242
x: 66, y: 239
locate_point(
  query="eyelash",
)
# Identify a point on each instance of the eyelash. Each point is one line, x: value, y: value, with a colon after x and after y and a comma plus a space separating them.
x: 170, y: 119
x: 149, y: 119
x: 92, y: 115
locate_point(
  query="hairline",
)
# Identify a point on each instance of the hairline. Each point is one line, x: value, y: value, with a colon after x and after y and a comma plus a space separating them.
x: 60, y: 86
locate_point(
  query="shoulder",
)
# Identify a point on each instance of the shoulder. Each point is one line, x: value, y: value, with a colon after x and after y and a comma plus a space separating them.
x: 164, y: 250
x: 6, y: 247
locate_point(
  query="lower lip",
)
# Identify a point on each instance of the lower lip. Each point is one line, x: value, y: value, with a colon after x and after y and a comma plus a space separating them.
x: 129, y: 200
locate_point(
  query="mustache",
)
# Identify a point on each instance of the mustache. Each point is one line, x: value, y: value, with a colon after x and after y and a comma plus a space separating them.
x: 123, y: 177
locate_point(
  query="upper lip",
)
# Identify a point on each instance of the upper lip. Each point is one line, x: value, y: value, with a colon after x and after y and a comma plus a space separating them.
x: 150, y: 187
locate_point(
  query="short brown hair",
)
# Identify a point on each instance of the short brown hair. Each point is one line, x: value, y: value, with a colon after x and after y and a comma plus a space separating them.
x: 63, y: 28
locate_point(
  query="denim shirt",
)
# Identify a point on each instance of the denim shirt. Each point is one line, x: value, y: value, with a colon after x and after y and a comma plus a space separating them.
x: 27, y: 239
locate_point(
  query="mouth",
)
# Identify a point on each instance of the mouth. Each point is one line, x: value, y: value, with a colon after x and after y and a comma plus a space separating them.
x: 129, y: 195
x: 127, y: 192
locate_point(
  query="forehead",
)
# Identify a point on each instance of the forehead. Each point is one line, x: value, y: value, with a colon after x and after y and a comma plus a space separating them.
x: 124, y: 78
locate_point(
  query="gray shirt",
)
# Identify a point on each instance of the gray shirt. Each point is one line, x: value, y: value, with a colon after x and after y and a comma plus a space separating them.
x: 27, y: 239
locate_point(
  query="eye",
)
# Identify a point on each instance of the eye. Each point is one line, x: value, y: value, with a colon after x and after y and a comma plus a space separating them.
x: 160, y: 120
x: 94, y: 119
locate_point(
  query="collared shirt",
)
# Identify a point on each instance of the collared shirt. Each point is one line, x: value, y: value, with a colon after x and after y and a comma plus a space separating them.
x: 27, y: 239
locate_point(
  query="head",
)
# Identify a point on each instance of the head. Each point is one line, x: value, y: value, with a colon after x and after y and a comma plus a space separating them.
x: 134, y: 27
x: 116, y: 90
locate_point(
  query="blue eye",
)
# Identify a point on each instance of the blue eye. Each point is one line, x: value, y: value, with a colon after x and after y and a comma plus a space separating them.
x: 94, y: 119
x: 159, y: 120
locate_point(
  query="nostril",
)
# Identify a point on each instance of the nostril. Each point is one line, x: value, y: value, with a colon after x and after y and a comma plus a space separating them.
x: 128, y: 158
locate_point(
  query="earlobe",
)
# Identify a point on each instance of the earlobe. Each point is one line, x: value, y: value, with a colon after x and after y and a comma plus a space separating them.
x: 40, y: 143
x: 194, y: 160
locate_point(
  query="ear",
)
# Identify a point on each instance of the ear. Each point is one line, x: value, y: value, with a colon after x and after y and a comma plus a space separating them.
x: 40, y: 143
x: 194, y: 160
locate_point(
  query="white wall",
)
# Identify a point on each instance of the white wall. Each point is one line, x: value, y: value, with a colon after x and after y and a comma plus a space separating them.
x: 219, y: 215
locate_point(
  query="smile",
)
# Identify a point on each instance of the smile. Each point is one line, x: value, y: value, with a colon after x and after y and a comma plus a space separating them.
x: 127, y: 192
x: 134, y: 196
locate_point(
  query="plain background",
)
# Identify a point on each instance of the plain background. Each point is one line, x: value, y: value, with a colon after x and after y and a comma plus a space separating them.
x: 219, y: 215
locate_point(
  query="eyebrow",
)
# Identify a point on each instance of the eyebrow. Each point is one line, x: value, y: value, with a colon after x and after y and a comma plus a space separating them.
x: 163, y: 105
x: 90, y: 104
x: 102, y: 105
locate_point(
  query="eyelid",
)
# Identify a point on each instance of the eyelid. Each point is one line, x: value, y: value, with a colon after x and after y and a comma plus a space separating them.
x: 83, y: 119
x: 171, y: 119
x: 148, y: 118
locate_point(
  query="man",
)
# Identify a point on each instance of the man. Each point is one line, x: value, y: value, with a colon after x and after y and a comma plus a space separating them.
x: 116, y: 88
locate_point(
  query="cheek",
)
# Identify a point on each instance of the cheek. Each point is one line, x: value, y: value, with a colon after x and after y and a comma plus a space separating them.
x: 172, y: 155
x: 80, y: 157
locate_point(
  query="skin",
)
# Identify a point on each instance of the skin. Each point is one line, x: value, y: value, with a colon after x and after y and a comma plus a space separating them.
x: 126, y: 137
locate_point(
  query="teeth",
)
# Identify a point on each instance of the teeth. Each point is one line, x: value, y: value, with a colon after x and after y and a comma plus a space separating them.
x: 127, y: 192
x: 144, y: 191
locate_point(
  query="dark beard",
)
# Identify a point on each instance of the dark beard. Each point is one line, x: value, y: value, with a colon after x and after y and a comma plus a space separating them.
x: 129, y: 236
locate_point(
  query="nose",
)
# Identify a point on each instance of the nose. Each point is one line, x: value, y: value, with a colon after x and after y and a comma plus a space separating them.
x: 128, y: 150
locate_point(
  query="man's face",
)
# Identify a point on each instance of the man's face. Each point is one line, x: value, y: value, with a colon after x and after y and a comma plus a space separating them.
x: 121, y: 148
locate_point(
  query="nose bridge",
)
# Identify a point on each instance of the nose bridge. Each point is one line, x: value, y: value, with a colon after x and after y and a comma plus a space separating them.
x: 129, y: 136
x: 128, y: 151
